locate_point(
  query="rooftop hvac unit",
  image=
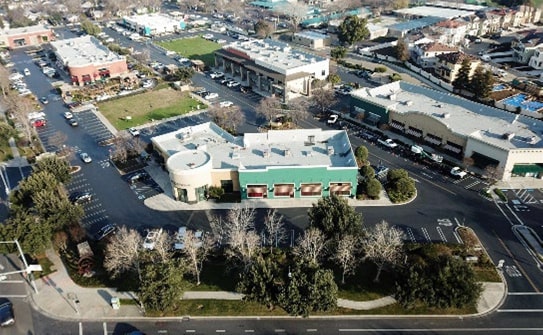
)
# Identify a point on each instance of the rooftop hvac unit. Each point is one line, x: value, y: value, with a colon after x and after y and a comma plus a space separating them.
x: 330, y: 151
x: 446, y: 115
x: 409, y: 103
x: 508, y: 136
x: 392, y: 96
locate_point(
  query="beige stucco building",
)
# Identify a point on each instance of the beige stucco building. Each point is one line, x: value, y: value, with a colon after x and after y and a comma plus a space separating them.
x: 509, y: 144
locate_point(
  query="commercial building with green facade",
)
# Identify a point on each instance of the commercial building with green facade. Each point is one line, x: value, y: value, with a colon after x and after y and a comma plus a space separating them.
x: 507, y: 144
x: 278, y: 164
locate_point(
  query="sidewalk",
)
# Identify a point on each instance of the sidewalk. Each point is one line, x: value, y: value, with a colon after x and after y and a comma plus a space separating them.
x: 57, y: 294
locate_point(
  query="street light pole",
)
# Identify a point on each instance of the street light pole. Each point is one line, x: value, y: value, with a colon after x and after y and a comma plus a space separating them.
x: 27, y: 269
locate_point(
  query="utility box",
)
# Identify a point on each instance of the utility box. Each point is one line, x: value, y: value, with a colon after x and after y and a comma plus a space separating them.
x: 115, y: 303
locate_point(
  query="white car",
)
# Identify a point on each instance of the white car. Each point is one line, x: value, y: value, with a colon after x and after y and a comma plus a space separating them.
x: 332, y: 119
x: 68, y: 115
x: 215, y: 75
x: 179, y: 243
x: 389, y: 143
x: 26, y: 71
x: 208, y: 36
x: 458, y: 172
x: 148, y: 83
x: 210, y: 96
x: 225, y: 104
x: 15, y: 76
x: 134, y: 132
x: 151, y: 238
x: 85, y: 157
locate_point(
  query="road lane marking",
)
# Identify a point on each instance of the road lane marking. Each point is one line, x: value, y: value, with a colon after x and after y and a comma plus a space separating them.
x: 249, y: 330
x: 279, y: 330
x: 514, y: 214
x: 516, y: 262
x: 311, y: 330
x: 439, y: 330
x: 525, y: 293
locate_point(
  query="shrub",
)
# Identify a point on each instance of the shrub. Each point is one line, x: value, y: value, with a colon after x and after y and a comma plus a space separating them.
x: 380, y: 69
x: 500, y: 194
x: 215, y: 192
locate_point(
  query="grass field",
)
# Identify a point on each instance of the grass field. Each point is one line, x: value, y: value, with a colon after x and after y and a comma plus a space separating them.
x: 193, y: 48
x: 146, y: 107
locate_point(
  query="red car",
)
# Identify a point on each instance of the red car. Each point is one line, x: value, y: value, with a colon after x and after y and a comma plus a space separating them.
x: 39, y: 123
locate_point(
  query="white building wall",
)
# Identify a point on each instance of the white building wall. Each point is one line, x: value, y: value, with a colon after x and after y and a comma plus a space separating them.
x: 318, y: 68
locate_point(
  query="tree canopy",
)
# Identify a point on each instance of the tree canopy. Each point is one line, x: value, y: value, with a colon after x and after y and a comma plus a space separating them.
x: 353, y: 29
x: 443, y: 281
x: 462, y: 80
x: 334, y: 217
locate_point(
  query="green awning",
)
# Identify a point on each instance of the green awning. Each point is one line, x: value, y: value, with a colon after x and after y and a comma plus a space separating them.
x: 521, y: 169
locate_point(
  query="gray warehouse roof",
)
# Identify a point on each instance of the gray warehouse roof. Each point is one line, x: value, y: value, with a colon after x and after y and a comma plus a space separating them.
x: 253, y: 151
x: 466, y: 118
x: 84, y: 50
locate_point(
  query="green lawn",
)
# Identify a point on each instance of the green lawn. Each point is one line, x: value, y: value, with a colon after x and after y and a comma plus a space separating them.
x: 148, y: 106
x: 193, y: 48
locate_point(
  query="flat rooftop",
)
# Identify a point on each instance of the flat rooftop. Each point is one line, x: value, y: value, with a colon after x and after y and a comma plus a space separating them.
x: 313, y: 35
x: 257, y: 151
x: 461, y: 116
x: 153, y: 21
x: 441, y: 12
x: 274, y: 55
x: 84, y: 50
x: 25, y: 30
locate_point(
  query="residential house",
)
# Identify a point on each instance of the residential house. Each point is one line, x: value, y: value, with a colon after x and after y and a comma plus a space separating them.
x: 425, y: 55
x: 525, y: 44
x: 448, y: 65
x: 451, y: 32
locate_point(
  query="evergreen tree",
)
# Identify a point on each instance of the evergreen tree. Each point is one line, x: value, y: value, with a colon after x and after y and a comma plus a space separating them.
x: 462, y: 81
x: 482, y: 83
x: 335, y: 218
x: 353, y: 29
x: 261, y: 281
x: 402, y: 50
x: 162, y: 285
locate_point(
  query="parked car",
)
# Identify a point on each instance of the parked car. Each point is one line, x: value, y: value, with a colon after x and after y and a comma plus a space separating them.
x: 68, y: 115
x: 7, y: 318
x: 233, y: 83
x: 147, y: 83
x: 211, y: 95
x: 80, y: 197
x: 26, y: 71
x: 73, y: 122
x: 39, y: 123
x: 208, y: 36
x: 216, y: 75
x: 85, y: 157
x: 138, y: 176
x: 389, y: 143
x: 225, y: 104
x: 151, y: 238
x: 179, y: 238
x: 105, y: 231
x: 134, y: 132
x: 458, y: 172
x: 332, y: 119
x: 44, y: 100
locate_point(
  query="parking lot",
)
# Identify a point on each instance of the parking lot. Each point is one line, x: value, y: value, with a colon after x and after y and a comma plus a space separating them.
x: 524, y: 200
x: 95, y: 216
x: 93, y: 126
x: 144, y: 187
x: 442, y: 232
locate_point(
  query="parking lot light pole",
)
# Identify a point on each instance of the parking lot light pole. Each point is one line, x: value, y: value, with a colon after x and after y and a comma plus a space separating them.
x: 27, y: 269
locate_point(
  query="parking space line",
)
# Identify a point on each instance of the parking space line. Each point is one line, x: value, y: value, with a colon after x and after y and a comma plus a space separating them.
x: 441, y: 234
x: 458, y: 238
x: 426, y: 235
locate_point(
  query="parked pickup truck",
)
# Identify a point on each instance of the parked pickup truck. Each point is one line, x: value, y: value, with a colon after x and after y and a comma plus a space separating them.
x: 389, y: 143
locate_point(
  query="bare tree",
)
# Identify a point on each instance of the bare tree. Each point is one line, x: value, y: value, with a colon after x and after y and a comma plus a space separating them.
x: 196, y: 251
x: 143, y: 56
x: 346, y: 255
x: 191, y: 4
x: 120, y: 149
x: 163, y: 246
x: 322, y: 99
x: 20, y: 108
x: 275, y: 228
x: 269, y: 107
x: 298, y: 110
x: 310, y: 245
x: 4, y: 80
x: 227, y: 118
x: 123, y: 252
x: 238, y: 230
x: 236, y: 7
x: 217, y: 228
x: 493, y: 173
x: 72, y: 6
x: 383, y: 245
x: 296, y: 12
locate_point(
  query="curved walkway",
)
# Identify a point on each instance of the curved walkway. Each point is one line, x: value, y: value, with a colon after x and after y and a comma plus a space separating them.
x: 57, y: 296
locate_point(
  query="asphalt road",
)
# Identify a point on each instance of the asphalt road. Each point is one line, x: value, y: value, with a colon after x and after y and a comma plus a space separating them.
x: 441, y: 204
